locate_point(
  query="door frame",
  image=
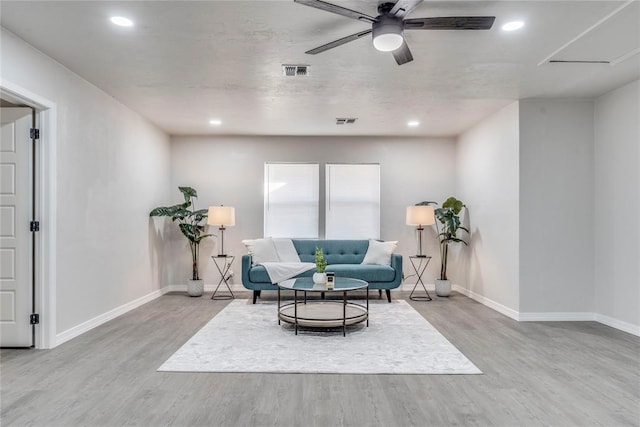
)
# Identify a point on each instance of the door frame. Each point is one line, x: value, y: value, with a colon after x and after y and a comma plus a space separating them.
x: 45, y: 262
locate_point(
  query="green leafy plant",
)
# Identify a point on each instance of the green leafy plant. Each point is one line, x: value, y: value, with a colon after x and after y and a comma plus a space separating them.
x: 449, y: 217
x: 190, y: 221
x: 321, y: 263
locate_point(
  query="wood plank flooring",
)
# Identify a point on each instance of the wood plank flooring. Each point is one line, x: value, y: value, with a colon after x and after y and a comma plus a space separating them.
x: 535, y: 374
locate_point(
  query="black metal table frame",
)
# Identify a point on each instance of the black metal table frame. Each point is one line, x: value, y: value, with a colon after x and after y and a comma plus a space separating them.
x: 345, y: 302
x: 223, y: 276
x: 419, y: 269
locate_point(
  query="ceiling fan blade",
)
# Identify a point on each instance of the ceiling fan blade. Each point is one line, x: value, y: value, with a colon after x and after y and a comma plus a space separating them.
x: 338, y: 42
x: 404, y: 7
x: 402, y: 54
x: 328, y: 7
x: 450, y: 23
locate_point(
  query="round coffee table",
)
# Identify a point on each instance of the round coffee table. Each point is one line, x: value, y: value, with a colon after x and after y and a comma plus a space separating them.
x: 323, y: 314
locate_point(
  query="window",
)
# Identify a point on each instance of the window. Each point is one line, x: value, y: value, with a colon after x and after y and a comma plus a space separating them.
x: 352, y: 201
x: 291, y: 200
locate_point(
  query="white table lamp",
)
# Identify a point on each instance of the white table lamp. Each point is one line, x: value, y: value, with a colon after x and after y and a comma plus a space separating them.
x: 223, y: 216
x: 419, y: 216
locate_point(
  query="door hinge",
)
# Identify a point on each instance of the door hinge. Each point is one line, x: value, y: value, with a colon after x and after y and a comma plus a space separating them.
x: 34, y: 319
x: 34, y: 133
x: 34, y: 226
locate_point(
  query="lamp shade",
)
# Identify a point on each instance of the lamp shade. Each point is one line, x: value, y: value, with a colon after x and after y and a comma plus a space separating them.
x: 222, y: 215
x: 420, y: 215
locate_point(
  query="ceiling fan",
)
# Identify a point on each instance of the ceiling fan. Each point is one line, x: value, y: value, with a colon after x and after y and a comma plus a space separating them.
x: 388, y: 27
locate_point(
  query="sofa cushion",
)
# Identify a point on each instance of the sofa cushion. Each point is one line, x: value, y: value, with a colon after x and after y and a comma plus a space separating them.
x: 261, y: 250
x: 335, y: 251
x: 379, y: 252
x: 366, y: 272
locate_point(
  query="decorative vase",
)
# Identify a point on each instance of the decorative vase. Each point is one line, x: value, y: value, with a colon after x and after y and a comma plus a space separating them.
x: 443, y: 288
x: 319, y: 278
x: 195, y: 288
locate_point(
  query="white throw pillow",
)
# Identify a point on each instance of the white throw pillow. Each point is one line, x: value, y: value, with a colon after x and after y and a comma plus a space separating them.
x: 379, y: 252
x: 261, y: 250
x: 286, y: 251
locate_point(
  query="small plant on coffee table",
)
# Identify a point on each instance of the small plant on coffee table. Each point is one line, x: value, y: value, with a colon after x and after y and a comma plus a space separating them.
x: 321, y: 263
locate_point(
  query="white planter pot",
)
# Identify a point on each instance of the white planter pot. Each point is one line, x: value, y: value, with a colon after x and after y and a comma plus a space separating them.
x: 319, y: 278
x: 443, y: 288
x: 195, y: 288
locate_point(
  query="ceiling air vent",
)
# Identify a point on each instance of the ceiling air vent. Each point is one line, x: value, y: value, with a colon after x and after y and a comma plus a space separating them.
x: 345, y: 121
x: 295, y: 70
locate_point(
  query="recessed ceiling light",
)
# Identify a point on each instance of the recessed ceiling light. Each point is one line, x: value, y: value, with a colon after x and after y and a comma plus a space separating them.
x: 413, y: 123
x: 513, y: 25
x: 215, y: 122
x: 121, y: 21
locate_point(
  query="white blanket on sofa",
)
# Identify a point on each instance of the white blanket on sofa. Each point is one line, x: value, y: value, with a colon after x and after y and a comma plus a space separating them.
x: 281, y: 271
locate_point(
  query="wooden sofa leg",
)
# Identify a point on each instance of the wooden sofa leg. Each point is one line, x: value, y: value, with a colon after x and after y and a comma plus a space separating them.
x: 380, y: 293
x: 256, y: 294
x: 388, y: 291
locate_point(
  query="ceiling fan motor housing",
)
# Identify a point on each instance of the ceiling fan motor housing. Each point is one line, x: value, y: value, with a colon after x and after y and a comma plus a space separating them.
x: 388, y: 33
x: 388, y: 27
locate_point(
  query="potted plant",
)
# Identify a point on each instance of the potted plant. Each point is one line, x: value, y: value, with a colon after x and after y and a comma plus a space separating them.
x: 192, y: 224
x: 449, y: 217
x: 319, y: 276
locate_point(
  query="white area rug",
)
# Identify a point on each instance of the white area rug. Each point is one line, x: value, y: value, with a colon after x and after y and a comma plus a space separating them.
x: 247, y: 338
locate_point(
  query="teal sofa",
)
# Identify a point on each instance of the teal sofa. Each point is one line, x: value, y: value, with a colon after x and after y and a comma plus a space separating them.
x: 344, y: 258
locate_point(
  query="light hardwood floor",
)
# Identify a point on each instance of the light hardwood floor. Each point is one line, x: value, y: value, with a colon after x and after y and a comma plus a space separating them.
x: 535, y: 374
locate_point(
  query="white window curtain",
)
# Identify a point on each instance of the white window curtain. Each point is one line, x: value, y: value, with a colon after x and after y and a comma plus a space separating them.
x: 352, y: 201
x: 291, y: 200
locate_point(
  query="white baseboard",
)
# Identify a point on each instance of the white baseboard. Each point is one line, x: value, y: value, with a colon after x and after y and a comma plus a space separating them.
x: 500, y: 308
x: 71, y: 333
x: 555, y: 316
x: 431, y: 287
x: 409, y: 287
x: 551, y: 316
x: 235, y: 287
x: 618, y: 324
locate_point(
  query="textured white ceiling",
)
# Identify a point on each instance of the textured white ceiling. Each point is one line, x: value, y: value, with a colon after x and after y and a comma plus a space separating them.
x: 185, y: 62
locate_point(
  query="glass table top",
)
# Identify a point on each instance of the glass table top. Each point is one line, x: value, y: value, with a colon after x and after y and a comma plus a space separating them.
x: 306, y: 284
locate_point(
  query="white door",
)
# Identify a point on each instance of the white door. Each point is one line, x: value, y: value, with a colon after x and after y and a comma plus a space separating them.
x: 16, y: 289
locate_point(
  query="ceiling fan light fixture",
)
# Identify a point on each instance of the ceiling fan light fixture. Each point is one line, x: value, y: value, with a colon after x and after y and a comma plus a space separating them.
x: 387, y: 34
x: 513, y: 25
x: 387, y: 42
x: 121, y: 21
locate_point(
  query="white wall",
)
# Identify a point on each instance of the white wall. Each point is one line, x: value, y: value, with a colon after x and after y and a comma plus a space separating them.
x: 230, y: 171
x: 112, y: 168
x: 487, y: 169
x: 617, y: 205
x: 556, y: 206
x: 553, y: 190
